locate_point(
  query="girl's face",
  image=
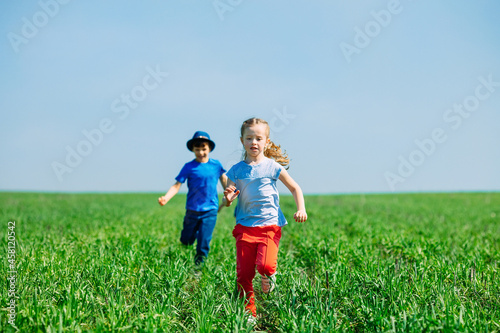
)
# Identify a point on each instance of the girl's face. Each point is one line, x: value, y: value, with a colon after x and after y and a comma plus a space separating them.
x: 255, y: 139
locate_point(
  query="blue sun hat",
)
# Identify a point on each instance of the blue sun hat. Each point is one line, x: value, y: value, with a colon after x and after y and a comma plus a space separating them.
x: 200, y: 136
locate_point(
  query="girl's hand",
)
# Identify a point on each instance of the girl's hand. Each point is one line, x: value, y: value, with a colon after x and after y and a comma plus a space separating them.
x: 162, y: 200
x: 230, y: 194
x: 300, y: 216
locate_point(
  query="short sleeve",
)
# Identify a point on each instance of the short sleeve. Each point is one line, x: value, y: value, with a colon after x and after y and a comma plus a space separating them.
x: 181, y: 178
x: 222, y: 170
x: 230, y: 174
x: 277, y: 169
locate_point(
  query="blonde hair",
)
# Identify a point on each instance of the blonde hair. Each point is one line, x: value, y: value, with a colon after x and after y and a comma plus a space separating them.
x: 272, y: 150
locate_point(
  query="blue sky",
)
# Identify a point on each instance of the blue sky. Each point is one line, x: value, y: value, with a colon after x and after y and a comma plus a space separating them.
x: 379, y: 96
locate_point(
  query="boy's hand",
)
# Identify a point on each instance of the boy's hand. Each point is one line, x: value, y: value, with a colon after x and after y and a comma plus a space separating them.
x: 222, y: 205
x: 162, y: 200
x: 300, y: 216
x: 230, y: 194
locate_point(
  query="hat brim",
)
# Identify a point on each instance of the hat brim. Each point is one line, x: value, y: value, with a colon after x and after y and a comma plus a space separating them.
x: 191, y: 143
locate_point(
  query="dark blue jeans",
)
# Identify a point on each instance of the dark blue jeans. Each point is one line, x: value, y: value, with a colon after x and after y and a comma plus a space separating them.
x: 199, y: 226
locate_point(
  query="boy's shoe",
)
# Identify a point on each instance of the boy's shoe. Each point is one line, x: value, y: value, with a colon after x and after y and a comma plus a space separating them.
x: 197, y: 272
x: 268, y: 283
x: 199, y: 260
x: 198, y: 268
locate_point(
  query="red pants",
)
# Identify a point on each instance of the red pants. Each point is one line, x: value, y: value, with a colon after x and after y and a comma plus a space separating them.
x: 255, y: 247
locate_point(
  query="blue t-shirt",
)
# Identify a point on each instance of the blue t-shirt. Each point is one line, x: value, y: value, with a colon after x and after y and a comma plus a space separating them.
x: 258, y: 201
x: 202, y: 184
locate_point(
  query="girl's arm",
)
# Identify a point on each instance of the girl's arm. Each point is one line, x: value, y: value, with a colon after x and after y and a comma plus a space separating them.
x: 170, y: 193
x: 287, y: 180
x: 230, y: 193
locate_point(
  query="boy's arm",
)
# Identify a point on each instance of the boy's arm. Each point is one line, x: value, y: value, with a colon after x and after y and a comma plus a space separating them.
x: 223, y: 182
x: 287, y: 180
x: 170, y: 193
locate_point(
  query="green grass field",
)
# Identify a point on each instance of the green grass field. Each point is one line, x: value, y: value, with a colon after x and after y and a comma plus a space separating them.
x: 374, y: 263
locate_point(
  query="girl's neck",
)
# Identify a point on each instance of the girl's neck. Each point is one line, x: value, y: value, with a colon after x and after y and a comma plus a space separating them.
x: 254, y: 160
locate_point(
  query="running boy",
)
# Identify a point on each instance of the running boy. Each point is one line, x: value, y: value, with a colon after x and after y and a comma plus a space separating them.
x: 202, y: 201
x: 258, y: 215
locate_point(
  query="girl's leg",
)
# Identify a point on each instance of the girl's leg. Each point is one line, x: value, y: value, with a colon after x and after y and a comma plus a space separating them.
x: 245, y: 272
x: 267, y: 252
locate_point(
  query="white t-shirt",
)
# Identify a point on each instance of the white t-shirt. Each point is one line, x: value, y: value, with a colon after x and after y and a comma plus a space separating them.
x: 258, y: 201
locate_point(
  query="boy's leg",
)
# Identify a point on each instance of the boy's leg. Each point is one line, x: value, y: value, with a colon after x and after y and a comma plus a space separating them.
x: 190, y: 228
x: 267, y: 251
x: 205, y: 231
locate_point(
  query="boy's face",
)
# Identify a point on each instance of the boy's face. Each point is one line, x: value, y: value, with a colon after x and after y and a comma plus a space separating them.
x: 201, y: 152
